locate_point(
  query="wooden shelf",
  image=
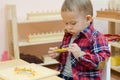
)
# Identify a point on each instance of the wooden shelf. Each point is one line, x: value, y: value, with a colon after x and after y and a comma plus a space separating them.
x: 20, y: 29
x: 111, y: 30
x: 26, y: 43
x: 115, y: 69
x: 108, y: 19
x: 115, y: 44
x: 42, y: 19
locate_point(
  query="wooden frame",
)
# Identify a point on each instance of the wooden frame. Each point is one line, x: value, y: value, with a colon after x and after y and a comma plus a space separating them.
x: 18, y: 31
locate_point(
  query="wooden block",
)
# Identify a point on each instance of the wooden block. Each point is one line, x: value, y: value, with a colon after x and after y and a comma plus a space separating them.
x: 42, y: 15
x: 48, y: 36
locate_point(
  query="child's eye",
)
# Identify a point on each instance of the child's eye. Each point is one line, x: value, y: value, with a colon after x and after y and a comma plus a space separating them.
x: 73, y: 23
x: 66, y: 23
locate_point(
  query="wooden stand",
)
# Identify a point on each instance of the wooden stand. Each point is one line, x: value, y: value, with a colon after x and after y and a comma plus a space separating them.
x: 19, y: 30
x: 112, y: 30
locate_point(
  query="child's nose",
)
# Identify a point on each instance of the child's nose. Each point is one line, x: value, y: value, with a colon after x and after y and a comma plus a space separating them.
x: 69, y: 26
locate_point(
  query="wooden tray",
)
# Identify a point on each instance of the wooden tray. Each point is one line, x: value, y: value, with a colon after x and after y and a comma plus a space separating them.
x: 42, y: 72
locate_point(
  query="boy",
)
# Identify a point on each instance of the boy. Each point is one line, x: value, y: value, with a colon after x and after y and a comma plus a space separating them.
x: 86, y: 47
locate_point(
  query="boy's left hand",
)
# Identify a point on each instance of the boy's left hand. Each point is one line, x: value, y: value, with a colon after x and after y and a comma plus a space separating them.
x: 76, y: 51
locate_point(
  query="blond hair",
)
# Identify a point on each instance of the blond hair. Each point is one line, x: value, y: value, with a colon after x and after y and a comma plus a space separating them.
x: 78, y: 5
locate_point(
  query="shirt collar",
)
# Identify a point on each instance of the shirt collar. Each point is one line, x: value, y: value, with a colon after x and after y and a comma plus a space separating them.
x: 87, y: 31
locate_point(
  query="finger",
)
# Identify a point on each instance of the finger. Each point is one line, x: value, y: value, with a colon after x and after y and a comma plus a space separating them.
x: 73, y: 45
x: 70, y: 49
x: 53, y: 55
x: 50, y: 52
x: 56, y: 47
x: 52, y: 48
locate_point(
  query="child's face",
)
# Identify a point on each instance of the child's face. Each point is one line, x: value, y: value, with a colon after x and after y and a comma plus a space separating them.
x: 74, y: 23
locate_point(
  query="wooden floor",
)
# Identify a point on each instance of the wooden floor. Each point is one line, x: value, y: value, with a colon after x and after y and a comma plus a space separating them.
x: 115, y: 75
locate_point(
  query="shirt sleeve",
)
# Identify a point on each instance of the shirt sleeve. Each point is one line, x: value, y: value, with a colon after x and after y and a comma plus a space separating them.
x: 100, y: 51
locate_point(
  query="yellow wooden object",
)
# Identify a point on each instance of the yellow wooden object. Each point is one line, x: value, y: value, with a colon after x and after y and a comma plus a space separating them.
x: 115, y: 61
x: 43, y: 15
x: 27, y: 71
x: 60, y: 50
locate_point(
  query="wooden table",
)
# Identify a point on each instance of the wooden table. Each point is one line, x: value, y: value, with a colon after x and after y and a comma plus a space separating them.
x: 17, y: 62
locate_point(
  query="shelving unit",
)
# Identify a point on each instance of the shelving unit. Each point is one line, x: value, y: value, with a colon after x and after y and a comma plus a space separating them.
x: 19, y: 30
x: 115, y: 44
x: 111, y: 30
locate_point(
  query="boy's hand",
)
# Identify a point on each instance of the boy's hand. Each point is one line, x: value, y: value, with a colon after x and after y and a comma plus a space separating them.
x: 76, y: 51
x: 52, y: 53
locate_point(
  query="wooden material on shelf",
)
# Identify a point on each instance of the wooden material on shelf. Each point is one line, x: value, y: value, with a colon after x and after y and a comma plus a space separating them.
x: 115, y: 69
x: 111, y: 27
x: 115, y: 44
x: 109, y: 13
x: 45, y: 37
x: 43, y: 15
x: 115, y: 75
x: 25, y: 43
x: 108, y: 19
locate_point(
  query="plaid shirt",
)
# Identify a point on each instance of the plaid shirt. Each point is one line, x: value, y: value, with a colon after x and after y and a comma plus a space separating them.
x: 94, y: 44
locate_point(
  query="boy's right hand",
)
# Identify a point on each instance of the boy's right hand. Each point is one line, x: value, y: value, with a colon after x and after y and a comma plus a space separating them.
x: 52, y: 53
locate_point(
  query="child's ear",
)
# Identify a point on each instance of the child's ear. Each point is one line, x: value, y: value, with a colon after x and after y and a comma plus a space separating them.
x: 89, y: 18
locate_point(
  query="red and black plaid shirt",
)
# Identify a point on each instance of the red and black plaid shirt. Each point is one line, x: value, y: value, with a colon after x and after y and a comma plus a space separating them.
x: 94, y: 44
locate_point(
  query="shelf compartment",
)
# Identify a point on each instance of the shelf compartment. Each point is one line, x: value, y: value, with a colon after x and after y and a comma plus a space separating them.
x: 115, y: 69
x: 108, y: 19
x: 115, y: 63
x: 115, y: 44
x: 26, y: 43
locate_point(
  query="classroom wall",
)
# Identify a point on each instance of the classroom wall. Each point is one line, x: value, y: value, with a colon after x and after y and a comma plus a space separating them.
x: 2, y: 29
x: 24, y: 6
